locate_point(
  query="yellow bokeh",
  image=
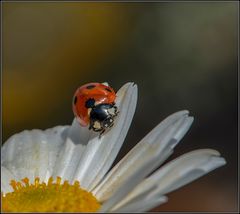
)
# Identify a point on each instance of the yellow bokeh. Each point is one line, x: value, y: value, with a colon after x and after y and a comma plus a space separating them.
x: 48, y: 46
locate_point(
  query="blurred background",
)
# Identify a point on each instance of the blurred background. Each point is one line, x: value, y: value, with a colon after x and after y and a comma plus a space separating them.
x: 181, y: 55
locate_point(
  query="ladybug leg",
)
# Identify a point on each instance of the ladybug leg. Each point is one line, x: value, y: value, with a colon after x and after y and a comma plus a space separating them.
x: 115, y: 110
x: 111, y: 125
x: 101, y: 133
x: 90, y: 127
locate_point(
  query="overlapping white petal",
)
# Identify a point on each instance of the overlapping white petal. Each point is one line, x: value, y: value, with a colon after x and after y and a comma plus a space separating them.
x: 153, y: 149
x: 100, y: 153
x: 6, y: 177
x: 75, y: 153
x: 33, y: 153
x: 142, y: 205
x: 175, y: 174
x: 185, y: 169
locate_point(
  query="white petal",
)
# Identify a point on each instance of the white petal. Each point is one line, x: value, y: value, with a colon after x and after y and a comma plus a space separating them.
x: 78, y: 134
x: 177, y: 173
x: 186, y: 169
x: 68, y: 160
x: 128, y: 185
x: 145, y: 204
x: 6, y: 177
x: 33, y: 153
x: 41, y: 161
x: 71, y: 152
x: 100, y: 153
x: 140, y: 197
x: 158, y: 144
x: 105, y: 83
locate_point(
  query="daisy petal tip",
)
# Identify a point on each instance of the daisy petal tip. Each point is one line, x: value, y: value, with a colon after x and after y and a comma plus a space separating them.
x: 134, y: 84
x: 135, y: 92
x: 217, y: 158
x: 213, y: 159
x: 131, y: 84
x: 214, y: 163
x: 105, y: 83
x: 221, y: 161
x: 189, y: 121
x: 211, y: 152
x: 183, y: 112
x: 132, y: 87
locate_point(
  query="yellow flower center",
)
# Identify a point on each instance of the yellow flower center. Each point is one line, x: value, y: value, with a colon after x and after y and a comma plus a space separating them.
x: 50, y: 197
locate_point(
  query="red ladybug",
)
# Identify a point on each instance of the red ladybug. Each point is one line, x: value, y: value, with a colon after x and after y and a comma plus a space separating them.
x: 94, y: 105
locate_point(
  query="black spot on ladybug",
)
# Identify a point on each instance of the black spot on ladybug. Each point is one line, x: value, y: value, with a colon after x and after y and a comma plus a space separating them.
x: 91, y: 86
x: 90, y: 103
x: 107, y: 89
x: 75, y: 100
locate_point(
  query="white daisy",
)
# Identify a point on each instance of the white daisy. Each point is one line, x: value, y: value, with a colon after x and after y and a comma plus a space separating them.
x: 46, y: 160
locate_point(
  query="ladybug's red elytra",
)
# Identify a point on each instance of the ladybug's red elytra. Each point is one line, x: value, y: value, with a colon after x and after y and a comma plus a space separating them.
x: 94, y: 105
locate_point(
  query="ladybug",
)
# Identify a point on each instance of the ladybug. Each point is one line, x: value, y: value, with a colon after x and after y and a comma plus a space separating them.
x: 94, y: 105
